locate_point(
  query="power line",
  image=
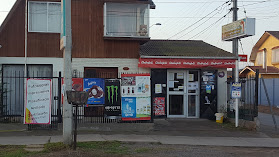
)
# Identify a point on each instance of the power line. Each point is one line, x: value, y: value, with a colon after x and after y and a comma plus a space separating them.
x: 199, y: 20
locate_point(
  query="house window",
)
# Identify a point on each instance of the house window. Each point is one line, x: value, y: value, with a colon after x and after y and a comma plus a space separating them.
x: 44, y: 17
x: 275, y: 55
x: 260, y: 58
x: 126, y: 20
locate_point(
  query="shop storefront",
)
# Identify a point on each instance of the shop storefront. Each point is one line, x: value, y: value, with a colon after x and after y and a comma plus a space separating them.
x: 186, y: 86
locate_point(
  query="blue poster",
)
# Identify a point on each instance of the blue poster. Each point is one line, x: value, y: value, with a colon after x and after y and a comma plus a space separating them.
x: 208, y: 89
x: 236, y: 90
x: 128, y: 107
x: 95, y: 86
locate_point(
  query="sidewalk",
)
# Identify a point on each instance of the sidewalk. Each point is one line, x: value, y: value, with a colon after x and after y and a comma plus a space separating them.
x: 175, y: 140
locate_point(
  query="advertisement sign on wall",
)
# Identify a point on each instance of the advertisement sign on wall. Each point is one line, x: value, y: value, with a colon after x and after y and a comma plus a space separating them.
x: 136, y: 97
x: 159, y: 106
x: 113, y: 98
x: 38, y: 101
x: 129, y: 107
x: 95, y: 87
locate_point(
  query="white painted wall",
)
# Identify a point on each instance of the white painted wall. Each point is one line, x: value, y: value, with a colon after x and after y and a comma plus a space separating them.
x: 222, y: 91
x: 56, y: 62
x: 79, y: 63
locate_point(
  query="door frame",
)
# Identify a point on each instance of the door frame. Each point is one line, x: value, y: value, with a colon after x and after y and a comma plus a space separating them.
x: 184, y: 93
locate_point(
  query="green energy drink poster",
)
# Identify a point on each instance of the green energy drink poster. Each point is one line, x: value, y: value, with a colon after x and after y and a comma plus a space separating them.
x: 112, y: 98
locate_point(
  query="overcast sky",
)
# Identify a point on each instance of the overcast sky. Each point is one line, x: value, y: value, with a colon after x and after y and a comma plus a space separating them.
x: 188, y: 20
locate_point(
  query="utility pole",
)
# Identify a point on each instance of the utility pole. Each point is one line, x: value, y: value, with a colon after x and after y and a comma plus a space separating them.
x: 235, y: 52
x: 67, y: 53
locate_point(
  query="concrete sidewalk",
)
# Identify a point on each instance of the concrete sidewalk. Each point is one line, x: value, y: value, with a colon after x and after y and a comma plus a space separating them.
x: 181, y: 140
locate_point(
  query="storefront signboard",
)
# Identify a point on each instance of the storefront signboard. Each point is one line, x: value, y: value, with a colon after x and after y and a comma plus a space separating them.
x: 112, y: 98
x: 136, y: 97
x: 38, y: 101
x: 185, y: 63
x: 95, y: 87
x: 238, y: 29
x: 236, y: 90
x: 243, y: 58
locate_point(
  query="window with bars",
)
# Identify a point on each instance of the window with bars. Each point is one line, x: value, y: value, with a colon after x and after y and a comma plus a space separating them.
x: 44, y: 17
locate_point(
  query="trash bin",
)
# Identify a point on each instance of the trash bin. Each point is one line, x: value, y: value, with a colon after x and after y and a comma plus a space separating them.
x: 219, y: 117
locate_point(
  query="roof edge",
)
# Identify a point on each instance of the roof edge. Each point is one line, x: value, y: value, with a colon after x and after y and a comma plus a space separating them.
x: 188, y: 57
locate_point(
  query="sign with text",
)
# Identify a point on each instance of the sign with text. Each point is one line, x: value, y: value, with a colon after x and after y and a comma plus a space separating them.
x: 185, y: 63
x: 95, y: 87
x: 238, y: 29
x: 136, y: 97
x: 159, y: 106
x: 236, y: 90
x: 243, y: 58
x: 112, y: 98
x: 38, y: 101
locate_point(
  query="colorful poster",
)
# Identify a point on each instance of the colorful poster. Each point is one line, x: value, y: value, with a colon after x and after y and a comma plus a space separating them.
x: 159, y: 106
x: 38, y: 101
x: 95, y: 87
x: 112, y: 98
x: 77, y: 84
x: 128, y: 107
x: 143, y: 107
x: 136, y: 87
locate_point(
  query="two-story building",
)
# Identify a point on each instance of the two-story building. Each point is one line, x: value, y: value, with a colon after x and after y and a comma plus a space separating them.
x: 265, y: 56
x: 110, y: 37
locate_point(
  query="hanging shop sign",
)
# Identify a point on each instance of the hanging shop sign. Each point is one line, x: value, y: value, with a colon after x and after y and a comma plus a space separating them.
x: 112, y: 98
x: 38, y: 101
x: 236, y: 90
x: 238, y: 29
x: 159, y: 106
x: 243, y: 58
x: 185, y: 63
x: 136, y: 97
x: 95, y: 87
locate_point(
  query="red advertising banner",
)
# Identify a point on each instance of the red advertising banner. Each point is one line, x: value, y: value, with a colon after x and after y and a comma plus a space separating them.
x: 243, y: 58
x: 185, y: 63
x: 159, y: 106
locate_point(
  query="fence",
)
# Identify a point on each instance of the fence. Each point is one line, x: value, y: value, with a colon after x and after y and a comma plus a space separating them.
x: 12, y: 100
x: 272, y: 86
x: 248, y: 107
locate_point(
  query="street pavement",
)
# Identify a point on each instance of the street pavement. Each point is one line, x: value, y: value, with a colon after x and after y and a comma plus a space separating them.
x: 163, y: 139
x: 166, y: 131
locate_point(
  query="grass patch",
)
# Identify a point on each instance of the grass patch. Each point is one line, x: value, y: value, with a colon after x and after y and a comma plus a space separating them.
x: 53, y: 147
x: 109, y: 147
x: 15, y: 151
x: 231, y: 126
x: 143, y: 150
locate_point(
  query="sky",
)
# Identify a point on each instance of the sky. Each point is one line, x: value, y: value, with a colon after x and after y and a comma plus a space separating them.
x: 202, y: 20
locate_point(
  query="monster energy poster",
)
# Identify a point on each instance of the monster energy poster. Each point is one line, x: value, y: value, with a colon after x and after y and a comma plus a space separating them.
x: 113, y: 98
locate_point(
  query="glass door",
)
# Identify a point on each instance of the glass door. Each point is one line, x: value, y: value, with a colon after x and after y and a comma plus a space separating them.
x: 176, y: 93
x: 193, y: 94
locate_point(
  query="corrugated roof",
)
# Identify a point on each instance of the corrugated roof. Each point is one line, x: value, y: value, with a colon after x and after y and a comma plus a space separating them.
x: 188, y: 48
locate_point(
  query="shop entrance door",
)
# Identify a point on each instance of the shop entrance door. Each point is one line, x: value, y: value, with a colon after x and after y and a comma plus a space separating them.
x: 183, y: 94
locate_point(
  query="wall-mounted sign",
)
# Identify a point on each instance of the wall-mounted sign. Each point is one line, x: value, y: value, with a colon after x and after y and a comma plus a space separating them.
x: 243, y: 58
x: 95, y: 87
x: 159, y: 106
x: 113, y: 98
x: 185, y: 63
x: 236, y: 90
x: 38, y: 101
x: 136, y: 97
x: 238, y: 29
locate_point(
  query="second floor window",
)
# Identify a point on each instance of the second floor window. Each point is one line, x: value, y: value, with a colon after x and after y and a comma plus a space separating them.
x: 275, y: 55
x: 126, y: 20
x: 44, y: 17
x: 260, y: 56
